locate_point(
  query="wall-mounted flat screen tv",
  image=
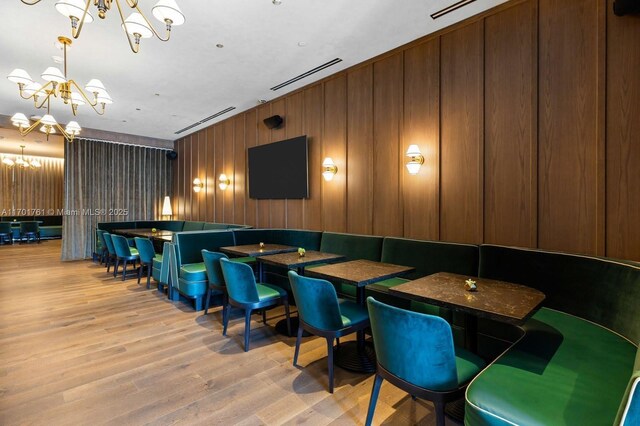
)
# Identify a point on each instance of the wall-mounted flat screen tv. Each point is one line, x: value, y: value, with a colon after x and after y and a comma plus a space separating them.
x: 279, y: 170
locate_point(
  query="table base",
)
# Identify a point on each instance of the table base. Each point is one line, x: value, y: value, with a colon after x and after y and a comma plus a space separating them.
x: 350, y: 358
x: 281, y: 327
x: 455, y: 410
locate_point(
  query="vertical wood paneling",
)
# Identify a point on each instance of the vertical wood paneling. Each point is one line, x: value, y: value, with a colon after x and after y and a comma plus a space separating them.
x: 188, y: 177
x: 219, y: 132
x: 264, y: 136
x: 294, y: 127
x: 568, y: 129
x: 177, y: 202
x: 278, y: 208
x: 387, y: 115
x: 623, y: 137
x: 250, y: 139
x: 359, y: 152
x: 202, y: 171
x: 421, y: 127
x: 210, y: 171
x: 239, y: 174
x: 510, y: 146
x: 313, y: 122
x: 334, y: 193
x: 227, y: 169
x: 461, y: 206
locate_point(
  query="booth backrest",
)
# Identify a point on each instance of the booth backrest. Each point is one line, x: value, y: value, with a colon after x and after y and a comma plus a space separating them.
x: 252, y: 236
x: 430, y: 257
x: 604, y: 291
x: 309, y: 240
x: 166, y: 225
x: 110, y: 226
x: 352, y: 246
x: 193, y: 226
x: 189, y: 245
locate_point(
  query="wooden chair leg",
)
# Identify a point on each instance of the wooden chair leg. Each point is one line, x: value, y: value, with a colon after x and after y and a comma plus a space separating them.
x: 247, y: 328
x: 374, y: 399
x: 330, y: 362
x: 298, y: 339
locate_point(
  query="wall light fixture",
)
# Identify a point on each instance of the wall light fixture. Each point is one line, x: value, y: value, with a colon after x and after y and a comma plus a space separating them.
x: 416, y: 159
x: 223, y: 181
x: 197, y: 185
x: 329, y: 169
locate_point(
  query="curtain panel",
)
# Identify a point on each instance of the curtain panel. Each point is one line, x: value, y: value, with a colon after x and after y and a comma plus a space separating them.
x: 32, y: 192
x: 109, y: 182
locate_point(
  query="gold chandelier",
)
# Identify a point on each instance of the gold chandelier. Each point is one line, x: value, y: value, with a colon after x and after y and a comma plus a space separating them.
x: 136, y: 25
x: 21, y: 162
x: 58, y: 86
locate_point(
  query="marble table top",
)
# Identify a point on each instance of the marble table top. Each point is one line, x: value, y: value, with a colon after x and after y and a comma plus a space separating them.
x: 293, y: 259
x: 359, y: 272
x: 254, y: 250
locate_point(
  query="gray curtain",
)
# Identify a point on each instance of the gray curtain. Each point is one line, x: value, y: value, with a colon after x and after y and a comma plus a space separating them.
x: 109, y: 182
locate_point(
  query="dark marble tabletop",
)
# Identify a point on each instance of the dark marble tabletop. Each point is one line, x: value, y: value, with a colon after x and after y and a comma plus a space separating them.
x: 498, y: 300
x: 293, y: 259
x: 359, y: 272
x: 255, y: 250
x: 145, y: 233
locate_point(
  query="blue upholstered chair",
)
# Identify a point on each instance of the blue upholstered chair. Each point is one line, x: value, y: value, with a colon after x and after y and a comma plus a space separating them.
x: 30, y: 230
x: 124, y: 254
x: 415, y: 352
x: 111, y: 251
x: 216, y: 280
x: 147, y: 253
x: 323, y: 314
x: 245, y: 293
x: 6, y: 234
x: 101, y: 245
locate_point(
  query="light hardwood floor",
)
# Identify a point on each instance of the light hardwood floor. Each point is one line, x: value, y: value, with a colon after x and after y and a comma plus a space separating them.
x: 80, y: 347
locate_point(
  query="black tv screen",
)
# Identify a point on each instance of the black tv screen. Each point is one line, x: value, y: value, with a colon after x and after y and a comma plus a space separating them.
x: 279, y: 170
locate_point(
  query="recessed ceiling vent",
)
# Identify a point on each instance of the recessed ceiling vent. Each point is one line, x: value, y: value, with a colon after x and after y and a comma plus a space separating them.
x: 204, y: 120
x: 451, y: 8
x: 307, y: 74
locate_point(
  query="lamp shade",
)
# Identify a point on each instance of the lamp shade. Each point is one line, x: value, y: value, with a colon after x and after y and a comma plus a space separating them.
x: 8, y: 161
x: 95, y: 86
x: 48, y: 120
x: 19, y: 76
x: 53, y: 74
x: 74, y: 9
x: 77, y: 99
x: 413, y: 151
x: 104, y: 98
x: 168, y: 10
x: 50, y: 130
x: 19, y: 119
x: 73, y: 128
x: 32, y: 88
x: 135, y: 24
x: 166, y: 207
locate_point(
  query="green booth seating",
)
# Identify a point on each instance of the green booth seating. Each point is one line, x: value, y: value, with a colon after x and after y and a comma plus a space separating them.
x: 576, y: 358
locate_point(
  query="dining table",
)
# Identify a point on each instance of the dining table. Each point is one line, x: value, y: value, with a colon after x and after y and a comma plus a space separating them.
x: 358, y: 356
x: 157, y: 237
x: 257, y: 250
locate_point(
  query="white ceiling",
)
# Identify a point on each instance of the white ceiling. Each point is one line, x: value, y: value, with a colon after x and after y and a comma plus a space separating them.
x: 193, y: 77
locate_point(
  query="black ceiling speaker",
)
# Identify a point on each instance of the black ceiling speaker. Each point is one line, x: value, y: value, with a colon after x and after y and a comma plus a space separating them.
x: 626, y: 7
x: 172, y: 155
x: 273, y: 122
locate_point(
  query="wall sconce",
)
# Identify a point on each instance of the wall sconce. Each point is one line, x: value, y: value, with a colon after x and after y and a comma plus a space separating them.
x: 416, y: 159
x: 197, y: 185
x: 223, y: 181
x: 329, y: 169
x: 166, y: 207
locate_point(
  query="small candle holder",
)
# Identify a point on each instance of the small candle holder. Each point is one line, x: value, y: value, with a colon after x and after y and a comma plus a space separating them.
x: 470, y: 285
x: 154, y: 230
x: 261, y: 245
x: 301, y: 252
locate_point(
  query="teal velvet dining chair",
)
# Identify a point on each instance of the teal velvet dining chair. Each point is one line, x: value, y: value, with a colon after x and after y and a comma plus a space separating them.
x: 147, y: 253
x: 101, y: 246
x: 30, y: 230
x: 322, y: 313
x: 246, y: 294
x: 124, y: 254
x: 111, y: 251
x: 6, y: 234
x: 217, y: 285
x: 415, y: 352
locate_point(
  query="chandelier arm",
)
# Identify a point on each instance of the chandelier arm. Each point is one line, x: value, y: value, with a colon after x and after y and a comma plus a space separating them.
x: 134, y: 47
x: 132, y: 3
x: 90, y: 102
x: 75, y: 32
x: 40, y: 91
x: 64, y: 133
x: 153, y: 29
x: 25, y: 132
x: 44, y: 101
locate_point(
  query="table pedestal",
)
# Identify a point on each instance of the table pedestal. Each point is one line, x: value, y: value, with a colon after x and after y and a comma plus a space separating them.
x: 359, y: 360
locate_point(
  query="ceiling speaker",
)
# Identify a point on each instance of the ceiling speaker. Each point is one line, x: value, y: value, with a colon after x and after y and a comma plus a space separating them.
x: 172, y: 155
x: 273, y: 122
x: 626, y: 7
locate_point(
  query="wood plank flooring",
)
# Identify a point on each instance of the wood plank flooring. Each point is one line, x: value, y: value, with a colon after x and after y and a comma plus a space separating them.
x: 80, y: 347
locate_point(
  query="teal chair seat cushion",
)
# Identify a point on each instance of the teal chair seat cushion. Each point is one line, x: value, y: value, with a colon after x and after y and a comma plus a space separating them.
x: 134, y: 251
x: 269, y: 291
x: 564, y: 371
x: 468, y: 365
x: 352, y: 313
x: 392, y: 282
x: 193, y: 272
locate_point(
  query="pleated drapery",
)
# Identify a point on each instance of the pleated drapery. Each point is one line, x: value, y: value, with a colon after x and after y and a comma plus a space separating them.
x: 108, y: 182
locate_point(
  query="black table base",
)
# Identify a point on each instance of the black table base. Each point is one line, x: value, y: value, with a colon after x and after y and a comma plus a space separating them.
x: 281, y: 327
x: 455, y: 410
x: 349, y: 357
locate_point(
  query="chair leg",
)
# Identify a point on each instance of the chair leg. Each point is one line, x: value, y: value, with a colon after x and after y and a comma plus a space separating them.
x: 124, y: 270
x: 247, y: 328
x: 338, y: 341
x: 139, y: 273
x: 225, y: 303
x: 225, y: 319
x: 298, y: 339
x: 115, y: 271
x: 439, y: 406
x: 286, y: 310
x: 330, y: 362
x: 374, y: 399
x: 149, y: 267
x: 207, y: 301
x: 264, y: 316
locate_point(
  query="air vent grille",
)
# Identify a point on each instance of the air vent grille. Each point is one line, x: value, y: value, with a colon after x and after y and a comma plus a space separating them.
x: 451, y: 8
x: 204, y: 120
x: 307, y: 74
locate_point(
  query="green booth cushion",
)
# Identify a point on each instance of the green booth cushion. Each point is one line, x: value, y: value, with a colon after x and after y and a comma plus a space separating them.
x: 193, y: 272
x: 564, y: 371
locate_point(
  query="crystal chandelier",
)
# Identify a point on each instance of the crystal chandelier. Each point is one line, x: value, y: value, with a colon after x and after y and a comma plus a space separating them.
x: 57, y: 85
x: 136, y: 25
x: 21, y: 162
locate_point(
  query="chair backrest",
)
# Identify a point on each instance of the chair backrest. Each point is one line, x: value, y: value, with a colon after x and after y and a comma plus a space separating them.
x: 100, y: 244
x: 145, y: 249
x: 418, y: 348
x: 29, y: 226
x: 121, y: 245
x: 109, y: 243
x: 212, y: 265
x: 317, y: 302
x: 241, y: 284
x: 5, y: 227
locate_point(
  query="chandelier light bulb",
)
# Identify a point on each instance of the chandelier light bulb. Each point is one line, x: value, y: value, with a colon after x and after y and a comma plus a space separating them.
x: 167, y: 11
x: 19, y: 76
x: 136, y: 25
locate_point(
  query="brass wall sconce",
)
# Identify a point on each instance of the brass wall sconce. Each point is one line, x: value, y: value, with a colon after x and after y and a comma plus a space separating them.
x: 329, y: 169
x: 197, y: 185
x: 416, y: 159
x: 223, y: 181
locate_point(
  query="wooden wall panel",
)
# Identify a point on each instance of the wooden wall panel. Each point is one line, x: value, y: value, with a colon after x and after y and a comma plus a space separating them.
x: 387, y: 114
x: 238, y: 176
x: 461, y: 171
x: 177, y: 173
x: 188, y: 177
x: 421, y: 121
x: 218, y: 157
x: 359, y: 152
x: 264, y: 136
x: 623, y: 137
x: 313, y: 122
x: 293, y: 128
x: 568, y: 129
x: 250, y: 139
x: 334, y: 193
x: 227, y: 169
x: 202, y: 171
x: 278, y: 208
x: 510, y: 118
x: 211, y: 195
